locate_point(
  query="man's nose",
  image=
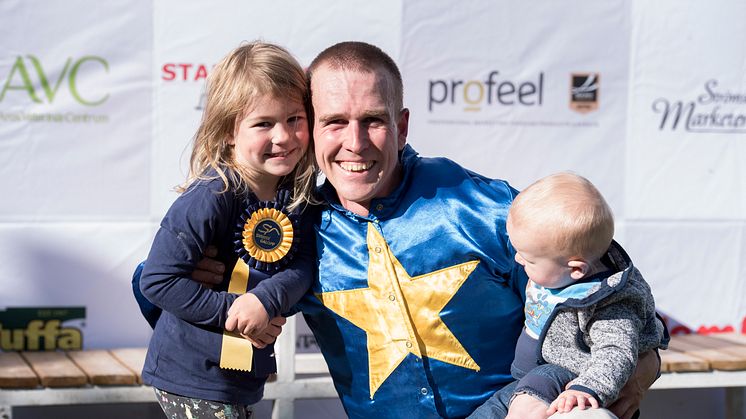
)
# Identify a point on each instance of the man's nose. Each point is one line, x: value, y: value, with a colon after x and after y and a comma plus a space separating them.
x: 357, y: 137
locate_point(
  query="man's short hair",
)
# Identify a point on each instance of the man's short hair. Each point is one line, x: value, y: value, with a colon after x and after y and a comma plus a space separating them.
x: 363, y: 57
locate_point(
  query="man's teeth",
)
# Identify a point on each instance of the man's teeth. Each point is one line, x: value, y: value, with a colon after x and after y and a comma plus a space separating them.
x: 356, y: 167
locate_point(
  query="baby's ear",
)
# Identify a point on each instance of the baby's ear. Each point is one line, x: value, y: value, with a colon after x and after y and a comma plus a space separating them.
x: 578, y: 268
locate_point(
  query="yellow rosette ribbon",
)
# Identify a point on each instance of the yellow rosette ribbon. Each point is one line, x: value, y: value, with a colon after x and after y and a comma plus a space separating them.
x: 265, y: 238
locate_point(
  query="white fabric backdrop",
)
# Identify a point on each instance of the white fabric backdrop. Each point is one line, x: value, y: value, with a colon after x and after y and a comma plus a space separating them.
x: 81, y: 199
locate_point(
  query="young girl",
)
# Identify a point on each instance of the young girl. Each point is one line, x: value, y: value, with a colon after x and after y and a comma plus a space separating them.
x: 250, y: 179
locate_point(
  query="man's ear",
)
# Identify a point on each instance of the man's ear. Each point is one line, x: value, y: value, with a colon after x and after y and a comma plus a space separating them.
x: 402, y: 128
x: 578, y: 268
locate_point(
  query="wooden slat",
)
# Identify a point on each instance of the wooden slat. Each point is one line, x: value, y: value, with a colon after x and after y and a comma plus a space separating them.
x: 132, y: 358
x: 672, y: 361
x: 15, y: 372
x: 102, y: 368
x: 721, y: 354
x: 737, y: 338
x: 55, y: 369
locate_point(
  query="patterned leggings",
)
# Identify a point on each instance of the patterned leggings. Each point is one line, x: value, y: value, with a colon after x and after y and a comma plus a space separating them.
x: 178, y: 407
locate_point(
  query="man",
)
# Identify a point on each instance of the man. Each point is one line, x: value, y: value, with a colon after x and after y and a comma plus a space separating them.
x: 418, y: 302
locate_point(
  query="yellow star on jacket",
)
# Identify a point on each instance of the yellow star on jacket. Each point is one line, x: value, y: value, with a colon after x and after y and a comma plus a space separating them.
x: 400, y: 314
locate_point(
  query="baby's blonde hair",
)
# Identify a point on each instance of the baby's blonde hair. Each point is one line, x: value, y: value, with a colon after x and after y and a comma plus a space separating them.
x: 568, y: 210
x: 235, y: 84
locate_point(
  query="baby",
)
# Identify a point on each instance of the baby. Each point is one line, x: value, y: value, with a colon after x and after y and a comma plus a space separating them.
x: 589, y: 312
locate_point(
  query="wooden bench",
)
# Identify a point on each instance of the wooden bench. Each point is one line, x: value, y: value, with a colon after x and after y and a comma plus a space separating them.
x: 113, y: 376
x: 702, y: 361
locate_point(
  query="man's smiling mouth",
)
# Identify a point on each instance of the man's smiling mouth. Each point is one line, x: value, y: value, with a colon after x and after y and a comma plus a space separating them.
x: 355, y: 166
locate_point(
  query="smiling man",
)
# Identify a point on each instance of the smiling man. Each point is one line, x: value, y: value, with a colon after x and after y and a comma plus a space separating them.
x: 418, y: 302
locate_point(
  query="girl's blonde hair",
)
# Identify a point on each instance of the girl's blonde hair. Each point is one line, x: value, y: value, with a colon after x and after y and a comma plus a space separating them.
x: 242, y: 77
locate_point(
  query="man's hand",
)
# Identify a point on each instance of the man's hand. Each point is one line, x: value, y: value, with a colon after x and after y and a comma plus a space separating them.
x: 631, y: 395
x: 524, y: 406
x: 247, y: 315
x: 269, y: 335
x: 571, y: 398
x: 209, y: 271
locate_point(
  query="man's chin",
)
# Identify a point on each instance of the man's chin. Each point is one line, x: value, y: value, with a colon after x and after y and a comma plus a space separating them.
x: 359, y: 194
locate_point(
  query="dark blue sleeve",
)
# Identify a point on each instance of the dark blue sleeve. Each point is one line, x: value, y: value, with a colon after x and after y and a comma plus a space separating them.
x: 148, y: 309
x: 518, y: 277
x: 195, y: 219
x: 282, y: 290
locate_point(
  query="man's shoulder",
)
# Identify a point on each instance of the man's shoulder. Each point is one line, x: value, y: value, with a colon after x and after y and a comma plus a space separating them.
x: 445, y: 170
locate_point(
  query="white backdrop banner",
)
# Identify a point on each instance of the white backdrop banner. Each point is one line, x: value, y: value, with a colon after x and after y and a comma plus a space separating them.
x: 98, y: 107
x: 75, y: 110
x: 510, y: 93
x: 687, y: 125
x: 686, y: 148
x: 75, y: 136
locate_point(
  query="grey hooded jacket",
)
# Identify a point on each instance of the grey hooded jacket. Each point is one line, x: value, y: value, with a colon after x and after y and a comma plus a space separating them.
x: 600, y: 336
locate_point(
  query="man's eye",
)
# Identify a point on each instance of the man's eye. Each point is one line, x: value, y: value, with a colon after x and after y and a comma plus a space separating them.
x: 374, y: 121
x: 335, y: 122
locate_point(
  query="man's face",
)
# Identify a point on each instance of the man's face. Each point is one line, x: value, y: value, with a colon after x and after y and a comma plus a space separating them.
x: 357, y: 134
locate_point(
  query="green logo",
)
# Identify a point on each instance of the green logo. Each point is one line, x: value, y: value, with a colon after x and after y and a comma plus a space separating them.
x: 40, y: 328
x: 19, y: 79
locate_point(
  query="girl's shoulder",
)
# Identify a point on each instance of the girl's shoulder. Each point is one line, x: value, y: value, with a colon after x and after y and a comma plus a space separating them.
x: 212, y: 182
x: 208, y: 195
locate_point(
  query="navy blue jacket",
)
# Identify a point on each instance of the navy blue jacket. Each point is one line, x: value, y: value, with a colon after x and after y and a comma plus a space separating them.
x: 184, y: 352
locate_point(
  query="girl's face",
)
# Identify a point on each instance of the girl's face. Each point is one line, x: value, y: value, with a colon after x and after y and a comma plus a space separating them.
x: 270, y: 139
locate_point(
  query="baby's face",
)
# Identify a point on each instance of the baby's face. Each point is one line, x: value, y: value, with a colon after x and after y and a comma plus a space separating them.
x: 542, y: 263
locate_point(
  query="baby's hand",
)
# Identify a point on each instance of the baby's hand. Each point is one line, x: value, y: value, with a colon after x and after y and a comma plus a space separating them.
x: 247, y: 315
x: 570, y: 398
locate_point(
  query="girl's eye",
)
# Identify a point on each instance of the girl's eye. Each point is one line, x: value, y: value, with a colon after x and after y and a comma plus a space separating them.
x: 263, y: 125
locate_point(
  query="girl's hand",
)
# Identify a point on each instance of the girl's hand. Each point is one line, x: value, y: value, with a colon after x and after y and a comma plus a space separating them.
x: 269, y: 335
x: 247, y: 316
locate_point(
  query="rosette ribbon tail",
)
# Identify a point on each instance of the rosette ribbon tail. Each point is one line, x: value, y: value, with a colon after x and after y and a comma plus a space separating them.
x: 236, y: 352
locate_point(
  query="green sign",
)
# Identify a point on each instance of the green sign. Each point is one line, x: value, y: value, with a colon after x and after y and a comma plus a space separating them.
x: 41, y: 328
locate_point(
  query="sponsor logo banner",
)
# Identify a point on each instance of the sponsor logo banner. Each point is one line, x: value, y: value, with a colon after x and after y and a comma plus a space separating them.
x: 716, y: 109
x: 584, y: 90
x: 42, y: 328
